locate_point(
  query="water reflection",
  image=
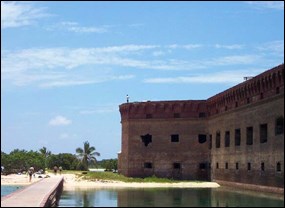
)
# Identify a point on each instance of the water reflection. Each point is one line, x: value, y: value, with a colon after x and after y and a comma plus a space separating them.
x: 89, y: 198
x: 175, y: 197
x: 164, y: 197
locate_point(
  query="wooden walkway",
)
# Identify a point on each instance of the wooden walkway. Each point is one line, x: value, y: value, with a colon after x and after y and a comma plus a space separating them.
x: 44, y: 193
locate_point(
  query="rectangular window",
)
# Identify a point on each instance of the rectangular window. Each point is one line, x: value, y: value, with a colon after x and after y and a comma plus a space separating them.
x: 174, y: 138
x: 248, y: 166
x: 237, y: 137
x: 278, y: 167
x: 147, y: 165
x: 227, y: 139
x: 176, y: 166
x: 217, y: 165
x: 202, y: 115
x: 247, y: 100
x: 249, y: 135
x: 262, y: 166
x: 279, y: 126
x: 237, y: 166
x: 263, y: 133
x: 218, y: 140
x: 148, y: 116
x: 202, y: 166
x: 176, y: 115
x: 226, y: 165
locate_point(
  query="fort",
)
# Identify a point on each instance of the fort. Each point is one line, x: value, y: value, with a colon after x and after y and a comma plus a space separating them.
x: 236, y: 136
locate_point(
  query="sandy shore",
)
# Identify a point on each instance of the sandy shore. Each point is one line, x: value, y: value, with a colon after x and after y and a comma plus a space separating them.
x: 71, y: 182
x: 15, y: 179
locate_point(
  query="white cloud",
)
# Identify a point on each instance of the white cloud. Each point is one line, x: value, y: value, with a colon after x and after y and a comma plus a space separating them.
x: 62, y: 67
x: 64, y: 83
x: 227, y: 77
x: 232, y: 60
x: 275, y: 47
x: 59, y: 121
x: 52, y: 67
x: 52, y: 58
x: 158, y: 53
x: 17, y: 14
x: 125, y: 48
x: 191, y: 46
x: 186, y: 46
x: 77, y: 28
x: 230, y: 47
x: 279, y: 5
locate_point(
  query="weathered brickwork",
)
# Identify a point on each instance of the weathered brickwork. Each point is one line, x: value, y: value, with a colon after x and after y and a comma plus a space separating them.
x: 235, y: 136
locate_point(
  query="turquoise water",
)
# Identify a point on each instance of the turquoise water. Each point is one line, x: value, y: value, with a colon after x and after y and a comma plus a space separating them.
x: 170, y: 197
x: 5, y: 190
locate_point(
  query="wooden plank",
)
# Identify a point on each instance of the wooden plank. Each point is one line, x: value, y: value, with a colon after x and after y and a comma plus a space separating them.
x: 42, y: 193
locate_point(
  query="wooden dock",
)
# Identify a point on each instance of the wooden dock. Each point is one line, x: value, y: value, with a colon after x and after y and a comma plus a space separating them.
x: 44, y: 193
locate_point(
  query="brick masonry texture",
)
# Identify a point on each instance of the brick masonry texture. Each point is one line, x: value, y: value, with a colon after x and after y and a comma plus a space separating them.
x: 235, y: 136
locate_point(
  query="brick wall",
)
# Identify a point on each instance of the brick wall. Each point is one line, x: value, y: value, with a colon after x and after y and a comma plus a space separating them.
x: 172, y: 138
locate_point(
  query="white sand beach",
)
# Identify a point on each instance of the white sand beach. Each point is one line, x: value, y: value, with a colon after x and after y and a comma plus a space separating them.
x: 71, y: 182
x: 15, y: 179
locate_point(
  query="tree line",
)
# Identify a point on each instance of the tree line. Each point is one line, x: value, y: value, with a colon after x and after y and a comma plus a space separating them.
x: 21, y: 160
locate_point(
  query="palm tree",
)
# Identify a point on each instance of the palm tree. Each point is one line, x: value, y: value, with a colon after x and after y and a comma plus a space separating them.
x: 87, y: 155
x: 45, y: 153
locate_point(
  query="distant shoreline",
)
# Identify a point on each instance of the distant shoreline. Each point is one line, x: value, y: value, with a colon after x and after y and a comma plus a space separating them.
x: 72, y: 183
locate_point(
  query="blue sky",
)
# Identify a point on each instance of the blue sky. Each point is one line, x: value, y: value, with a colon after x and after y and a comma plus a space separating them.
x: 67, y: 66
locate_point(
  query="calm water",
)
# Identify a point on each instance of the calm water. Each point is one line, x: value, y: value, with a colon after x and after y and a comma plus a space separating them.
x: 5, y: 190
x: 172, y: 197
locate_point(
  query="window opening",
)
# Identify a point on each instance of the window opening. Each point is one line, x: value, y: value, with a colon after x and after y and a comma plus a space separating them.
x: 147, y: 165
x: 202, y: 138
x: 248, y: 166
x: 249, y: 135
x: 227, y: 139
x: 218, y: 140
x: 262, y: 166
x: 279, y: 126
x: 146, y: 139
x: 176, y: 115
x: 263, y: 133
x: 174, y: 138
x: 278, y: 167
x: 202, y: 115
x: 176, y: 166
x: 210, y: 141
x: 202, y: 166
x: 237, y: 137
x: 148, y: 116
